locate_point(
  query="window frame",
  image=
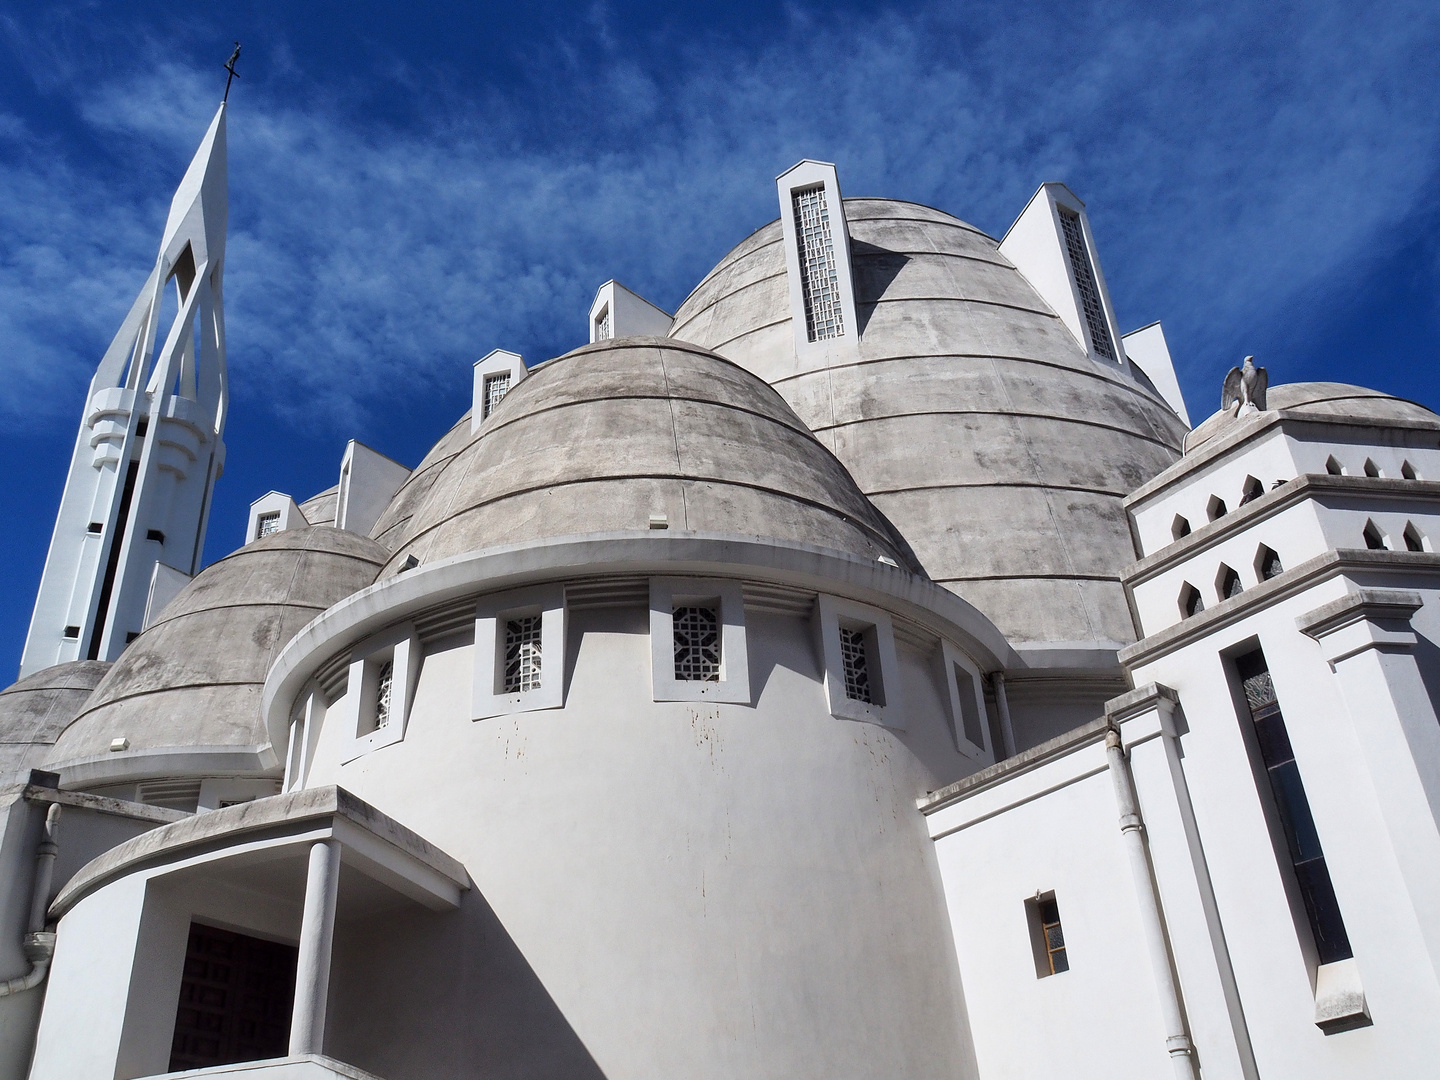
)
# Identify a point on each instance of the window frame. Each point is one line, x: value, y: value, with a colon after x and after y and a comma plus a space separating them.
x: 400, y: 647
x: 952, y: 658
x: 666, y: 594
x: 488, y: 697
x: 830, y: 613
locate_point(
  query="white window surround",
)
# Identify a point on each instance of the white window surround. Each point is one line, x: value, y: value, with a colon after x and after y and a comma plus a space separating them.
x: 617, y: 312
x: 308, y: 718
x: 728, y: 597
x: 488, y: 696
x: 831, y: 613
x: 966, y: 704
x: 400, y: 647
x: 803, y: 176
x: 277, y: 503
x: 493, y: 363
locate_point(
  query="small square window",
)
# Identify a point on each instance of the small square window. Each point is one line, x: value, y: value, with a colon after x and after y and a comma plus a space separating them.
x: 522, y: 654
x: 383, y: 674
x: 861, y: 668
x: 156, y: 535
x: 697, y: 644
x: 853, y: 655
x: 72, y: 632
x: 496, y: 387
x: 519, y: 652
x: 697, y: 640
x: 95, y: 528
x: 1047, y: 935
x: 266, y: 524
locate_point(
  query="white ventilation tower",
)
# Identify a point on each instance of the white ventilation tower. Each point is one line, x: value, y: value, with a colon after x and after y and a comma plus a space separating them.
x: 149, y: 448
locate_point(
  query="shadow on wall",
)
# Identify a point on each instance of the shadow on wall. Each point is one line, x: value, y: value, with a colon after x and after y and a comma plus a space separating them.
x: 420, y: 996
x: 873, y: 269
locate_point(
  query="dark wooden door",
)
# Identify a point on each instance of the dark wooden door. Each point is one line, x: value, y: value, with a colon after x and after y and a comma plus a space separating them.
x: 235, y: 1000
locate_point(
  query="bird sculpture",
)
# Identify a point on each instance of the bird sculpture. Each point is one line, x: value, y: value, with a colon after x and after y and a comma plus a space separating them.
x: 1244, y: 390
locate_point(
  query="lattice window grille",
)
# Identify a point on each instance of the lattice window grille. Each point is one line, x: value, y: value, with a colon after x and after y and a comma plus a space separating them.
x: 268, y: 523
x: 1085, y: 282
x: 522, y: 654
x: 382, y: 693
x: 602, y: 325
x: 819, y: 278
x: 697, y: 644
x: 857, y: 665
x: 496, y: 387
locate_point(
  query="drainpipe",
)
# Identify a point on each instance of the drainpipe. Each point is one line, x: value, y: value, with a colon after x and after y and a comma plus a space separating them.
x: 39, y: 945
x: 1152, y: 927
x: 1002, y: 705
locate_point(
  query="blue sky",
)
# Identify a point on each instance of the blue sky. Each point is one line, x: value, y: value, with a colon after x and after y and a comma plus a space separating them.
x: 413, y: 185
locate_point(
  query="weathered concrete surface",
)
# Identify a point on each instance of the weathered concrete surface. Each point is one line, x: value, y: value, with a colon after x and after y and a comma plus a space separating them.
x: 194, y: 678
x: 610, y: 435
x: 35, y: 710
x: 1326, y: 399
x: 969, y: 415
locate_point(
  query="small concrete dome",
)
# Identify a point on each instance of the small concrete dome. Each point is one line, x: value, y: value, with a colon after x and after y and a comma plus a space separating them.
x: 630, y: 434
x: 968, y: 413
x: 192, y: 681
x: 1327, y: 399
x: 35, y: 710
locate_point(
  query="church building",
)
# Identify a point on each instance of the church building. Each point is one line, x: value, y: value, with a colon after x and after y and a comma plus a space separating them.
x: 867, y: 671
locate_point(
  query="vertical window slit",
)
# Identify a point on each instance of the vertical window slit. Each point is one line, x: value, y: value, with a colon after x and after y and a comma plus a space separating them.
x: 522, y: 654
x: 1085, y: 282
x: 819, y: 278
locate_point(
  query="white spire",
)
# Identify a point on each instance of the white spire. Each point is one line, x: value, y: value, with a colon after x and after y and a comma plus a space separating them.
x: 149, y: 447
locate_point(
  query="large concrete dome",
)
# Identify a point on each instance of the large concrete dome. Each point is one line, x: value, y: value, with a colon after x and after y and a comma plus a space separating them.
x: 623, y: 433
x: 190, y: 684
x: 1328, y: 400
x: 970, y: 416
x: 35, y: 710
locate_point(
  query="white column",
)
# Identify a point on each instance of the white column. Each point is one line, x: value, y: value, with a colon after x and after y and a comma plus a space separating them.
x: 1367, y: 639
x: 317, y: 935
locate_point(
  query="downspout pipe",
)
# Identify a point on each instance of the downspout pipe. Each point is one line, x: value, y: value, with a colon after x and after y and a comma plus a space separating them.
x: 1152, y: 926
x: 39, y: 944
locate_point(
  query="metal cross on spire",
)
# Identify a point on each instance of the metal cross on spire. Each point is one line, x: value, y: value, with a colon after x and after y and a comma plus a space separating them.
x: 230, y: 67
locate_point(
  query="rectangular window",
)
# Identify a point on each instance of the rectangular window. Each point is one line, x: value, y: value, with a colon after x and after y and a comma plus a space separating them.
x: 819, y: 282
x: 697, y: 644
x: 496, y: 387
x: 602, y: 324
x: 1293, y: 807
x: 236, y: 996
x: 853, y: 654
x: 1047, y: 936
x: 383, y: 687
x: 267, y: 524
x: 1085, y: 282
x: 522, y: 654
x: 969, y: 710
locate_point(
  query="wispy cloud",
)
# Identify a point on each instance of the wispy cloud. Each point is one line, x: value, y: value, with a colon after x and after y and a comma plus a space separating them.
x: 1231, y: 157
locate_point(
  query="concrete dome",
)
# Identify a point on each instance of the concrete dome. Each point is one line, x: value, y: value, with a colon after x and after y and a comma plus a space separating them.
x: 970, y: 416
x: 191, y: 683
x: 609, y: 436
x: 35, y: 710
x: 1325, y: 399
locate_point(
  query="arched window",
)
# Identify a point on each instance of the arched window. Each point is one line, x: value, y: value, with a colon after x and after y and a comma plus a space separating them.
x: 1408, y: 471
x: 1371, y: 469
x: 1333, y: 467
x: 1190, y: 601
x: 1215, y: 508
x: 1414, y: 539
x: 1253, y: 490
x: 1374, y: 538
x: 1179, y: 527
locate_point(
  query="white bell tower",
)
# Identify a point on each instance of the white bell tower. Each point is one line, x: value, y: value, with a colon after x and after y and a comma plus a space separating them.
x: 149, y: 448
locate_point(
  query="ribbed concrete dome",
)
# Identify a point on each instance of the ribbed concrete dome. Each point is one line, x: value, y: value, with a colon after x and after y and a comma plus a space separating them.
x: 609, y: 435
x: 1325, y: 399
x: 35, y: 710
x: 194, y: 678
x: 970, y: 416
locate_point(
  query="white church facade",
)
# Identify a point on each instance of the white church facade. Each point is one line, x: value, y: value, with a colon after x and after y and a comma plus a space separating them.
x: 866, y: 671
